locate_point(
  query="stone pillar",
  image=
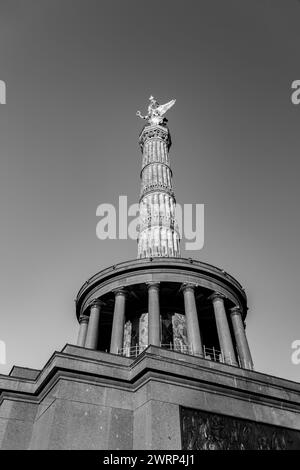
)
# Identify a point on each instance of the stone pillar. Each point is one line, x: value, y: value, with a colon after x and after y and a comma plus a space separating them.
x: 153, y: 314
x: 117, y: 334
x: 192, y: 323
x: 223, y: 329
x: 92, y: 332
x: 83, y: 321
x: 241, y: 338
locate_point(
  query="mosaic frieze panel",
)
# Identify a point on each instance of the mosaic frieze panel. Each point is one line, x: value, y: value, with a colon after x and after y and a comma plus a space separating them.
x: 127, y: 338
x: 143, y: 331
x: 166, y: 330
x: 180, y: 340
x: 208, y: 431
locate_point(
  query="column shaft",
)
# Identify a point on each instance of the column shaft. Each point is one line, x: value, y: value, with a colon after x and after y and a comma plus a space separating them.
x: 223, y: 329
x: 84, y: 321
x: 92, y: 332
x: 117, y: 334
x: 192, y: 323
x: 241, y: 338
x: 153, y: 314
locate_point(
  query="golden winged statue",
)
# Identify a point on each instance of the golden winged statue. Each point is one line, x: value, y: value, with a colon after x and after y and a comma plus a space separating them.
x: 156, y: 111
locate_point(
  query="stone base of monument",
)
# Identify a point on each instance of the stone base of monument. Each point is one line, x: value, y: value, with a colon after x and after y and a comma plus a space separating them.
x: 86, y: 399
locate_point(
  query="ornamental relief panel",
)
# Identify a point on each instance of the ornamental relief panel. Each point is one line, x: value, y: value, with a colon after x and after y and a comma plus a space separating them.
x: 202, y: 430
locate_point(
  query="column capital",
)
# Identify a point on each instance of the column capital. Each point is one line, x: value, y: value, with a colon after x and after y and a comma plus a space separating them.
x: 153, y: 284
x: 83, y: 319
x: 216, y: 296
x: 96, y: 303
x: 236, y: 310
x: 188, y: 286
x: 120, y: 291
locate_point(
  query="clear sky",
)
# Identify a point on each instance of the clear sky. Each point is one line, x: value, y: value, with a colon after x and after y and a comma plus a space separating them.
x: 76, y: 72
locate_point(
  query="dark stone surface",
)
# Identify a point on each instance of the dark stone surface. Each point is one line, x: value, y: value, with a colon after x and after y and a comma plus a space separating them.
x: 24, y: 373
x: 209, y: 431
x: 16, y: 424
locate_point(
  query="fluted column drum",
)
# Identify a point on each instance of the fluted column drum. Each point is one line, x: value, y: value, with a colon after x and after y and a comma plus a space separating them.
x: 241, y: 338
x: 84, y: 322
x: 158, y: 234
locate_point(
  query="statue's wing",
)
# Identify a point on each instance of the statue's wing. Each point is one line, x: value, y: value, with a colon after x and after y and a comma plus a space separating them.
x: 163, y: 108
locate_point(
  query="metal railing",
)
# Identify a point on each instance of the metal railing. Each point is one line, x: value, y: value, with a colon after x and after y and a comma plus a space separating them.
x: 210, y: 354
